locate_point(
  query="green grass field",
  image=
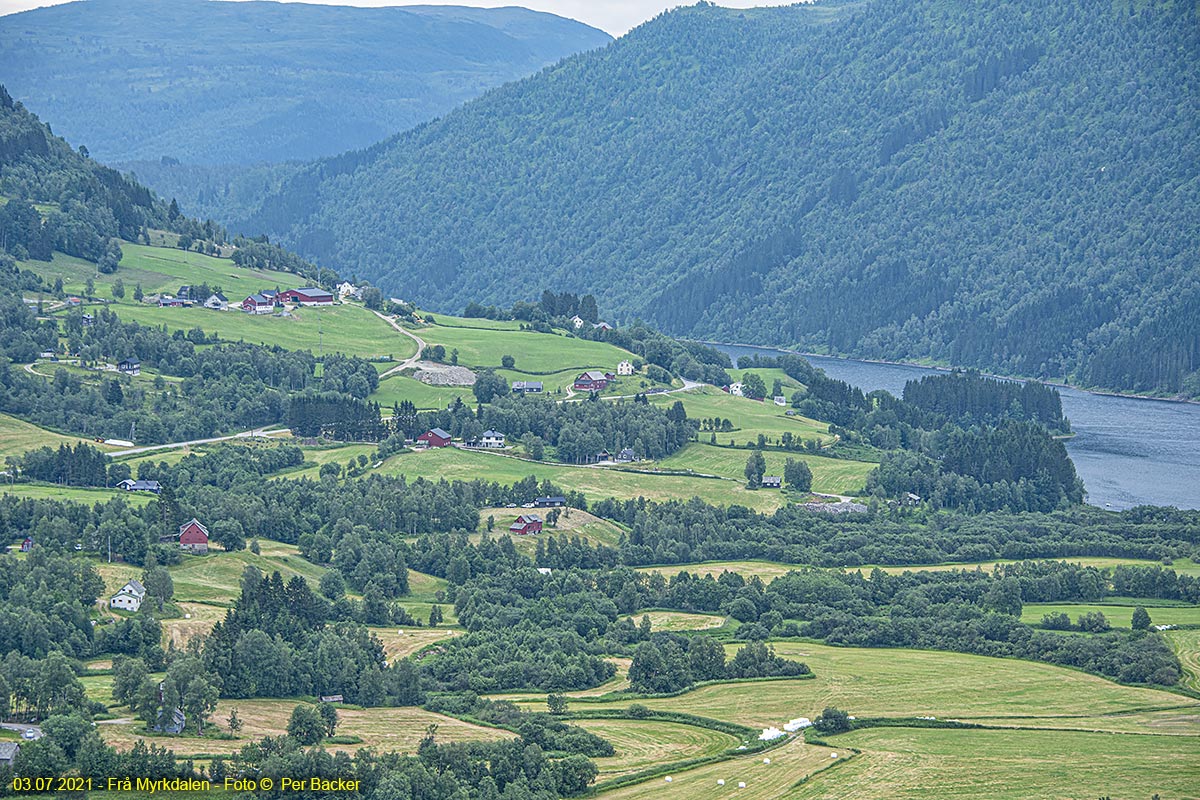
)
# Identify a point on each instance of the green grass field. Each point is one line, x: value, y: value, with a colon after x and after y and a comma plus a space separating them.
x: 346, y: 329
x: 909, y: 763
x: 162, y: 269
x: 1187, y: 646
x: 790, y: 764
x: 909, y: 683
x: 1119, y: 616
x: 595, y: 482
x: 216, y: 577
x: 397, y: 388
x: 534, y: 352
x: 642, y: 743
x: 679, y: 621
x: 830, y: 475
x: 74, y: 494
x: 18, y: 436
x: 748, y: 417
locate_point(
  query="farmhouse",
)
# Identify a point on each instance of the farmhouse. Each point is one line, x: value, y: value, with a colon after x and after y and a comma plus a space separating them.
x: 550, y: 502
x: 217, y: 302
x: 527, y: 387
x: 593, y: 381
x: 308, y: 296
x: 8, y: 753
x: 625, y: 368
x: 193, y: 537
x: 772, y: 482
x: 626, y: 455
x: 346, y: 289
x: 166, y: 301
x: 130, y: 366
x: 129, y: 597
x: 526, y: 524
x: 89, y: 320
x: 489, y: 438
x: 131, y: 485
x: 780, y: 400
x: 184, y: 293
x: 577, y: 321
x: 602, y: 326
x: 435, y: 438
x: 74, y: 301
x: 258, y: 304
x: 735, y: 389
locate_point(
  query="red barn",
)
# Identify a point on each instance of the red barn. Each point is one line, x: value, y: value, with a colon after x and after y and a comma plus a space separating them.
x: 525, y: 524
x: 308, y: 296
x: 27, y: 545
x: 193, y: 537
x: 435, y: 438
x: 593, y: 381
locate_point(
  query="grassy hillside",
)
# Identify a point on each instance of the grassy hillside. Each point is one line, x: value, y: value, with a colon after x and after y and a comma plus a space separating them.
x: 1003, y: 186
x: 163, y: 269
x: 349, y: 329
x: 535, y: 353
x: 208, y: 82
x: 17, y: 436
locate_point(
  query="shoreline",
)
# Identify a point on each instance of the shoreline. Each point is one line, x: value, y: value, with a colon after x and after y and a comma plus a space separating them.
x: 941, y: 368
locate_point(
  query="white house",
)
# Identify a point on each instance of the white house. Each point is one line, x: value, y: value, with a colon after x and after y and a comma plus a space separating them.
x: 780, y: 400
x: 347, y: 289
x: 625, y: 368
x: 735, y: 389
x: 217, y: 302
x: 491, y: 438
x: 577, y: 321
x: 130, y: 597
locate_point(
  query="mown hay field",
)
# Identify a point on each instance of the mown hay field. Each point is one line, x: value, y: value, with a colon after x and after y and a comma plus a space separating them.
x: 643, y: 743
x: 1008, y: 765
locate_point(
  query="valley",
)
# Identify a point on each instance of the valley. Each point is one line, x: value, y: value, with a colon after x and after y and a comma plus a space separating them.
x: 397, y: 475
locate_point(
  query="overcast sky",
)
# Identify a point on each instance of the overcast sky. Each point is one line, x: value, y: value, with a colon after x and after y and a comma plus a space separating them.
x: 614, y: 16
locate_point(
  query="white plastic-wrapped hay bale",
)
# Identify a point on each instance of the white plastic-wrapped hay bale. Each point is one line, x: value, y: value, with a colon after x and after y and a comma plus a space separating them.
x: 766, y: 761
x: 720, y: 781
x: 770, y: 733
x: 741, y: 784
x: 667, y: 779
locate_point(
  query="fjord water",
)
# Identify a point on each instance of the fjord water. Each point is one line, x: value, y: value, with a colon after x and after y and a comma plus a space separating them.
x: 1127, y: 450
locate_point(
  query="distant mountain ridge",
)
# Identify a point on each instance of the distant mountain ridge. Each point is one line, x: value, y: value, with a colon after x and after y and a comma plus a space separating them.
x: 245, y: 82
x: 1008, y: 186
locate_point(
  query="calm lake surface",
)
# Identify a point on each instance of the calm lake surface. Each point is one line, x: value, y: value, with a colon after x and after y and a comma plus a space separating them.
x: 1128, y: 451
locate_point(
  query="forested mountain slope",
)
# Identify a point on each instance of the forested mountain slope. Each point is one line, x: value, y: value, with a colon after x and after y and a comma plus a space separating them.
x: 1011, y: 186
x: 237, y: 83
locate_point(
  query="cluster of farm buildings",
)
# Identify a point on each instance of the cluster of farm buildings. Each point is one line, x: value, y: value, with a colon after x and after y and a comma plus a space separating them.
x: 591, y: 381
x: 266, y: 301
